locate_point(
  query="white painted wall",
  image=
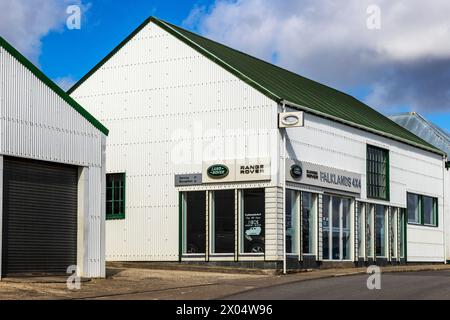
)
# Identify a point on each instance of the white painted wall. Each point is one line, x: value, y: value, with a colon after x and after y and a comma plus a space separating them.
x: 168, y: 109
x: 328, y: 143
x: 38, y: 124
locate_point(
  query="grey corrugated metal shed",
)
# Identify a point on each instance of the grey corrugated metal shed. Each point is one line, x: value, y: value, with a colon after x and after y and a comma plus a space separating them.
x: 424, y: 129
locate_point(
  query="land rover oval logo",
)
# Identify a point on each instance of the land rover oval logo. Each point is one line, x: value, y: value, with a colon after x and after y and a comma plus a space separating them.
x: 296, y: 171
x: 218, y: 171
x: 290, y: 120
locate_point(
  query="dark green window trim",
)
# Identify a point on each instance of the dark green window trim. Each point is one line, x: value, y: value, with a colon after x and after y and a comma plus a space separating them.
x: 115, y: 196
x: 378, y: 181
x: 435, y: 208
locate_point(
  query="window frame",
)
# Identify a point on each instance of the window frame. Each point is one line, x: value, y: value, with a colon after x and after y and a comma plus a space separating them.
x: 435, y: 209
x: 368, y: 173
x: 121, y: 215
x: 241, y: 211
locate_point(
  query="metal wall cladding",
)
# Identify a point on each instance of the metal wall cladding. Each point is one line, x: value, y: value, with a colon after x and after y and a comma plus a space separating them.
x: 413, y: 170
x: 36, y: 123
x: 168, y: 109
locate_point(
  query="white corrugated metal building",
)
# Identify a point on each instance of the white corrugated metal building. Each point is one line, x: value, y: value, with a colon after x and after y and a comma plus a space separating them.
x: 437, y: 137
x: 199, y: 170
x: 52, y: 160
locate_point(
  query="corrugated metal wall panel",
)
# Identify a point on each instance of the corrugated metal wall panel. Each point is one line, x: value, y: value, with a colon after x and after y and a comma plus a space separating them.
x: 33, y: 115
x: 36, y: 123
x: 158, y: 96
x: 411, y: 170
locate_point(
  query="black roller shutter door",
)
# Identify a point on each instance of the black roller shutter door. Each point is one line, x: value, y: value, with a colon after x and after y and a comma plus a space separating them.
x: 39, y: 217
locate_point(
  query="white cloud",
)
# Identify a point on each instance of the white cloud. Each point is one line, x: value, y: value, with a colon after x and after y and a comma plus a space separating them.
x: 65, y: 83
x: 24, y: 22
x: 407, y: 61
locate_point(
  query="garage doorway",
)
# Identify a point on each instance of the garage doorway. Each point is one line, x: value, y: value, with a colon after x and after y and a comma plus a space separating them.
x: 39, y: 217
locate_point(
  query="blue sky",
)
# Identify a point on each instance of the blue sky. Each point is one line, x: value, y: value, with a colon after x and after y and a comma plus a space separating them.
x: 404, y: 66
x: 105, y: 24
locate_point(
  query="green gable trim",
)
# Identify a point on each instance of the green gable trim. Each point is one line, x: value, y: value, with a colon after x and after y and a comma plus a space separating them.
x: 42, y: 77
x: 284, y: 86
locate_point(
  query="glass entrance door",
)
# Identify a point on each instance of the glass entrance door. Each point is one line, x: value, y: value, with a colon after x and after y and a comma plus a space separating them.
x: 336, y: 228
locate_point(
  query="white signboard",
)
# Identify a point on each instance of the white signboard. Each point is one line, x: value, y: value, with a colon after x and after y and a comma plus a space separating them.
x: 322, y: 176
x: 236, y: 171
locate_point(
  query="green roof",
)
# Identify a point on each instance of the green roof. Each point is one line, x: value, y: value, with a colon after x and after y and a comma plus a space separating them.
x: 41, y: 76
x: 284, y: 86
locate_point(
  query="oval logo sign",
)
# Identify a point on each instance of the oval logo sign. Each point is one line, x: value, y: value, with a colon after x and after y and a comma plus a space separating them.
x: 290, y: 120
x: 218, y: 171
x: 296, y: 171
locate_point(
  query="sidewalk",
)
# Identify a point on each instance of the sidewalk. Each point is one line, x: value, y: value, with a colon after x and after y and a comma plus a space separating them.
x: 145, y: 283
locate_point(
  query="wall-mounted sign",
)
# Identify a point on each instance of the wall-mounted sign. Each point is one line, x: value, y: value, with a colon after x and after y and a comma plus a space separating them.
x: 290, y: 119
x: 188, y: 179
x: 237, y: 171
x: 218, y: 171
x: 296, y: 171
x: 322, y: 176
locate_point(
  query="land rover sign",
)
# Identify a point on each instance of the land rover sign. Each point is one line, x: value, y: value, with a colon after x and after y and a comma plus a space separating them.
x: 218, y: 171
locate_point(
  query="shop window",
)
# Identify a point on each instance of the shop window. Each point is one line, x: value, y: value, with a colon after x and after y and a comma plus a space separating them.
x: 223, y: 217
x: 346, y: 229
x: 308, y: 222
x: 194, y: 217
x: 422, y: 210
x: 402, y: 235
x: 377, y: 173
x: 291, y: 222
x: 336, y: 228
x: 393, y: 232
x: 253, y: 221
x: 380, y: 230
x: 326, y: 200
x: 115, y: 196
x: 361, y: 229
x: 369, y: 230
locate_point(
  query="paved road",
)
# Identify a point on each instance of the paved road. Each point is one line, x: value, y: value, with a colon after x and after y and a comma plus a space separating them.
x: 404, y: 286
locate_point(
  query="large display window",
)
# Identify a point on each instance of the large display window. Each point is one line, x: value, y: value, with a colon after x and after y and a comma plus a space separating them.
x: 292, y: 234
x: 370, y: 230
x: 309, y: 210
x: 223, y: 222
x: 194, y: 222
x: 393, y: 234
x: 380, y: 230
x: 253, y: 221
x: 336, y: 228
x: 361, y: 230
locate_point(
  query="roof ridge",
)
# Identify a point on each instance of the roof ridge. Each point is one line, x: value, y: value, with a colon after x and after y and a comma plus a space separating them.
x: 280, y: 85
x: 52, y: 85
x: 255, y: 58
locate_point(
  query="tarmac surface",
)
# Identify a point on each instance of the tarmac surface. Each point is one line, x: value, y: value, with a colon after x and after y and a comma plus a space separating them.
x: 149, y: 282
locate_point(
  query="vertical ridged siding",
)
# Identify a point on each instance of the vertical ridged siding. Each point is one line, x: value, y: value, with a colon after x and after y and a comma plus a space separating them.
x: 38, y: 124
x: 148, y: 90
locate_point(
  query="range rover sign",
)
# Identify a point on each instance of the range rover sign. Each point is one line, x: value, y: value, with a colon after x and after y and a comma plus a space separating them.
x: 321, y: 176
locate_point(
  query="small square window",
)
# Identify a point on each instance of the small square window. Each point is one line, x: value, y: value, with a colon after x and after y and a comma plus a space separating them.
x: 115, y: 196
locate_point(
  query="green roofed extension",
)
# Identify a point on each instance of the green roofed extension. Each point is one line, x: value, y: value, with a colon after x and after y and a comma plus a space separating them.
x: 41, y: 76
x: 284, y: 86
